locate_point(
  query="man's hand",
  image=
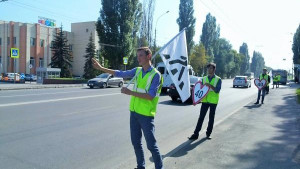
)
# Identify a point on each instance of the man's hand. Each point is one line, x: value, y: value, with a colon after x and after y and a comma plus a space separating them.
x: 96, y: 64
x: 209, y: 85
x: 125, y: 90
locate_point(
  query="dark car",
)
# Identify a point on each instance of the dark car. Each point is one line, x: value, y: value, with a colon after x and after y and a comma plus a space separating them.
x: 173, y: 93
x: 30, y: 77
x: 104, y: 80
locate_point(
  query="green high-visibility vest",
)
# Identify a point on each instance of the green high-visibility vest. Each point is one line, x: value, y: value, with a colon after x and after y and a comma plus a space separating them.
x: 142, y: 84
x: 261, y: 76
x: 212, y: 97
x: 278, y: 78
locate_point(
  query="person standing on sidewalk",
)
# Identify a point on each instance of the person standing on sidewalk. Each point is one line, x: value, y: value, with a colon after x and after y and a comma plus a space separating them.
x: 143, y: 103
x: 209, y: 101
x: 268, y: 86
x: 278, y: 80
x: 262, y: 92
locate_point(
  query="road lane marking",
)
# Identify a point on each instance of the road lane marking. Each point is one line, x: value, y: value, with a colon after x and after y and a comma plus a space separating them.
x: 55, y: 100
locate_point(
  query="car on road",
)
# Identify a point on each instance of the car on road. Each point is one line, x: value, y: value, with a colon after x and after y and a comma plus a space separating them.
x: 241, y: 81
x: 173, y: 93
x: 105, y: 80
x: 30, y: 77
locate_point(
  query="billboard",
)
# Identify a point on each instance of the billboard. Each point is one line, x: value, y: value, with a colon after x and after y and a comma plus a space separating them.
x: 47, y: 21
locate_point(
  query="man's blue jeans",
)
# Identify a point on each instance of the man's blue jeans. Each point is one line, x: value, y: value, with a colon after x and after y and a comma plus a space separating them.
x: 139, y: 123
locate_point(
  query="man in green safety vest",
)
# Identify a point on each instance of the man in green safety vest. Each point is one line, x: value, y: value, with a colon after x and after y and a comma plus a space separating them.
x: 262, y: 92
x: 144, y: 98
x: 278, y: 80
x: 209, y: 101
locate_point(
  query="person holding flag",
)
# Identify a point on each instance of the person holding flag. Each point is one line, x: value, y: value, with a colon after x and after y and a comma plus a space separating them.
x: 144, y: 99
x: 210, y: 101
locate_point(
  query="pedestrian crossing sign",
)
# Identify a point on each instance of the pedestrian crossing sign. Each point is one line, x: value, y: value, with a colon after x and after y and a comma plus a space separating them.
x: 14, y: 52
x: 125, y: 60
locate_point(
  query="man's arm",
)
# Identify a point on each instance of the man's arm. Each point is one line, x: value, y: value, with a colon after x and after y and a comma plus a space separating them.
x: 98, y: 66
x: 153, y: 89
x: 217, y: 88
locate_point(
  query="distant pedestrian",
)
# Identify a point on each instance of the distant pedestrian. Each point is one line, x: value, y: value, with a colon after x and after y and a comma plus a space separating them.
x: 262, y: 92
x: 269, y: 80
x: 209, y: 101
x: 144, y: 99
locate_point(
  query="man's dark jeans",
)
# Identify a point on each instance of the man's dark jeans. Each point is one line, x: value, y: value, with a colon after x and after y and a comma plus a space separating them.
x: 145, y: 124
x: 203, y: 111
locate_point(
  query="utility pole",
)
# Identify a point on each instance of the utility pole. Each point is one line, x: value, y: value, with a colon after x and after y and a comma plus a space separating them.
x: 155, y: 35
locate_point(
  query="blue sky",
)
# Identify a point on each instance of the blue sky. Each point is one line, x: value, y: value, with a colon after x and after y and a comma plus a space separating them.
x: 266, y: 26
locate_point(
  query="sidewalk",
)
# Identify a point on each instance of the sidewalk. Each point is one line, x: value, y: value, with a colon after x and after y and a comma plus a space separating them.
x: 257, y: 136
x: 34, y: 85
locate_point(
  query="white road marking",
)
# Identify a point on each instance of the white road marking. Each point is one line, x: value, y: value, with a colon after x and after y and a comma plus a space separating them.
x: 55, y: 100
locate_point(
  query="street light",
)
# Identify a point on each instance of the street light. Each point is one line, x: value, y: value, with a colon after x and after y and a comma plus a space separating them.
x: 155, y: 34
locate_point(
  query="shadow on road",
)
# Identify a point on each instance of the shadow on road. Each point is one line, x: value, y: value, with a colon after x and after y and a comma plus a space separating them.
x: 277, y: 150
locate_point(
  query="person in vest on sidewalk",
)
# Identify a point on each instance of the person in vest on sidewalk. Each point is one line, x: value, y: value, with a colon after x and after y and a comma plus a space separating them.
x: 262, y: 92
x: 210, y: 101
x: 144, y: 98
x: 269, y: 81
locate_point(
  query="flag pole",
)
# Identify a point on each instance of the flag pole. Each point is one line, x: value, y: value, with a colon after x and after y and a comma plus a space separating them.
x: 157, y: 54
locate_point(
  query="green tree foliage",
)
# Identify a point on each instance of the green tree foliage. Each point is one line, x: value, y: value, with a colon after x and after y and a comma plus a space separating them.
x: 117, y: 26
x: 210, y: 35
x: 198, y: 59
x: 222, y: 57
x: 89, y: 71
x: 61, y: 54
x: 245, y: 62
x: 257, y: 64
x: 296, y: 47
x: 187, y: 20
x: 146, y: 33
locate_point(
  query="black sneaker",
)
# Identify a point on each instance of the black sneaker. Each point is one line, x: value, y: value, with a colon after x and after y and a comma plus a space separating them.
x: 256, y: 103
x: 208, y: 137
x: 262, y: 102
x: 194, y: 137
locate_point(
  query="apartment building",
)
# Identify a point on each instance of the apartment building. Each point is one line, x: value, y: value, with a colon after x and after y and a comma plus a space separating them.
x: 34, y: 42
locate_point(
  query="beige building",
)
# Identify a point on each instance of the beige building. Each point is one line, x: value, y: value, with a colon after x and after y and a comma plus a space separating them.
x: 34, y: 41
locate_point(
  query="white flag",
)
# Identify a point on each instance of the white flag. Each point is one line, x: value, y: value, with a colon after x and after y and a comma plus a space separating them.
x: 175, y: 57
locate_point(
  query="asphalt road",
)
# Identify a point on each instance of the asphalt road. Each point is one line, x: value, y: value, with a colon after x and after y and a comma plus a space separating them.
x: 89, y: 128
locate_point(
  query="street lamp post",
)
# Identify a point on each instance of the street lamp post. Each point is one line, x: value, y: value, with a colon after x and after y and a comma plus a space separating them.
x: 155, y: 34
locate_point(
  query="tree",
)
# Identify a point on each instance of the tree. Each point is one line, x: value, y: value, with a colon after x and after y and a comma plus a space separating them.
x: 296, y: 46
x: 223, y: 59
x: 61, y: 54
x: 146, y: 33
x: 257, y: 64
x: 198, y: 59
x: 116, y: 27
x: 187, y: 20
x: 210, y: 35
x: 245, y: 62
x: 89, y: 70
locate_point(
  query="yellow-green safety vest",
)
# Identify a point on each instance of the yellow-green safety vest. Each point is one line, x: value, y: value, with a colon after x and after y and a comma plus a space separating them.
x: 212, y: 97
x: 264, y: 77
x: 142, y: 84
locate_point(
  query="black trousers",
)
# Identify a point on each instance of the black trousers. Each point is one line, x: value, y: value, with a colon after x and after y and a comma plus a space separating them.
x: 203, y: 111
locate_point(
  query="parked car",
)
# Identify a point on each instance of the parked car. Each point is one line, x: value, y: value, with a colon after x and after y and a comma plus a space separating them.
x: 12, y: 76
x: 173, y: 93
x: 242, y: 81
x: 30, y: 77
x: 104, y: 80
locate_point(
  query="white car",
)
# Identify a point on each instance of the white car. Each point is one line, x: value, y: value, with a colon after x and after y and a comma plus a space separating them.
x: 241, y: 81
x: 104, y: 80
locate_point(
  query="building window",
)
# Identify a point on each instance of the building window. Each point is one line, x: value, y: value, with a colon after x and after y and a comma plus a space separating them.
x: 0, y: 41
x: 70, y: 47
x: 32, y: 41
x: 41, y: 62
x: 8, y: 40
x: 42, y: 43
x: 15, y: 40
x: 87, y: 30
x: 32, y: 61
